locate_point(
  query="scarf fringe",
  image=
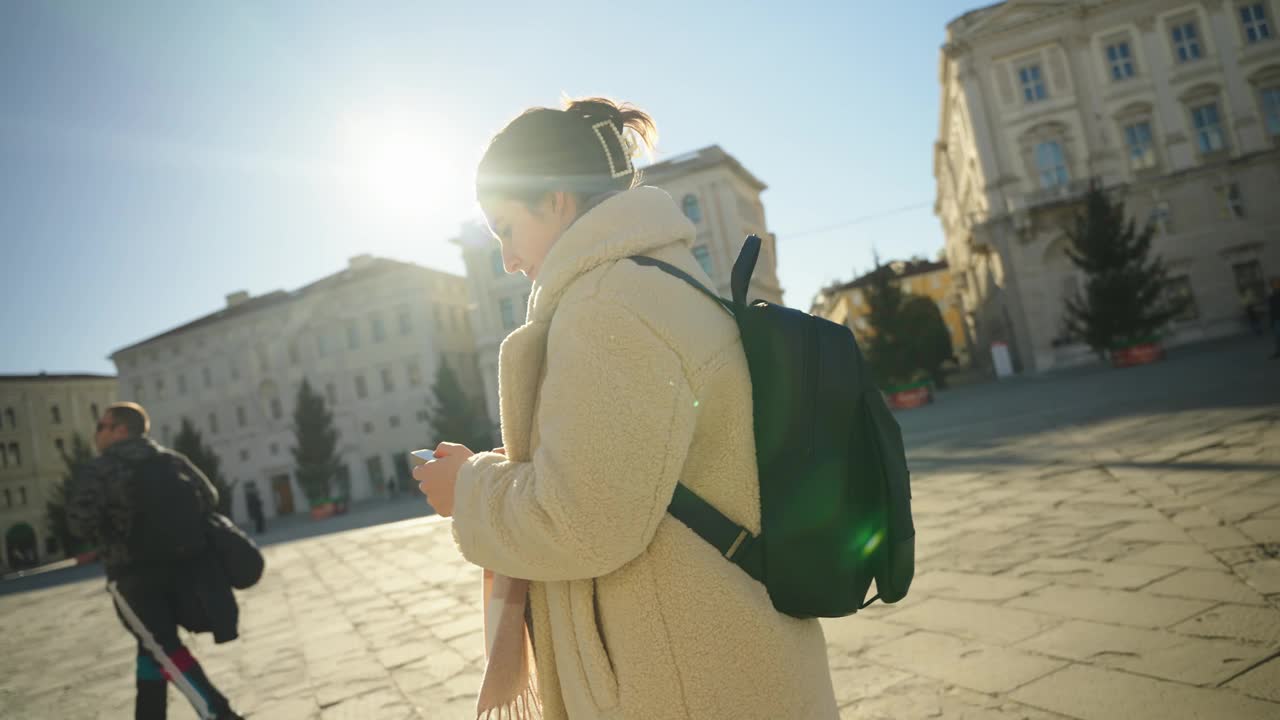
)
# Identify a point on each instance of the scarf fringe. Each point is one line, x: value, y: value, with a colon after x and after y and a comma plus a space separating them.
x: 526, y: 706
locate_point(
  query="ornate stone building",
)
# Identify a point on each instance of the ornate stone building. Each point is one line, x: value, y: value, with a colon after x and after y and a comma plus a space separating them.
x: 1172, y: 106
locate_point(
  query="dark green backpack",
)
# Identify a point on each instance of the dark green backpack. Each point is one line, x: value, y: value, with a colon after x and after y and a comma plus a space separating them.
x: 835, y: 494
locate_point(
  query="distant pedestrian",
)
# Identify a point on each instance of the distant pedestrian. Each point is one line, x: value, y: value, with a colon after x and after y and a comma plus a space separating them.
x: 146, y: 508
x: 254, y: 502
x: 1274, y: 304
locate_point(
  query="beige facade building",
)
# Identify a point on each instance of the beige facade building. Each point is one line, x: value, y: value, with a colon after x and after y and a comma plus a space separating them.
x: 1174, y: 106
x: 720, y: 197
x: 847, y: 303
x: 369, y: 338
x: 39, y: 415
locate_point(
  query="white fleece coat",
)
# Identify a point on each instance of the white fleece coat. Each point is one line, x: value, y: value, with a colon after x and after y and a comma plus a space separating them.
x: 622, y: 382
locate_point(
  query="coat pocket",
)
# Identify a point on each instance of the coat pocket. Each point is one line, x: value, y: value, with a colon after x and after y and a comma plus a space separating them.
x: 593, y: 656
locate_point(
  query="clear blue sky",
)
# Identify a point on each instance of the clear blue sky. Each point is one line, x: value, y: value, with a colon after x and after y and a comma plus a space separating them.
x: 156, y: 156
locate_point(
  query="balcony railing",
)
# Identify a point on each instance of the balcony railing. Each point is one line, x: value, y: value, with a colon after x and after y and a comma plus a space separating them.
x: 1059, y: 193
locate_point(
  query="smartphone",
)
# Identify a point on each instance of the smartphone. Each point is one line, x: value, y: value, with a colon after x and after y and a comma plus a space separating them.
x: 421, y: 457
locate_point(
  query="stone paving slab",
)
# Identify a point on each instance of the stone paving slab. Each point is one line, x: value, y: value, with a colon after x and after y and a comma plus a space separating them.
x: 1123, y: 567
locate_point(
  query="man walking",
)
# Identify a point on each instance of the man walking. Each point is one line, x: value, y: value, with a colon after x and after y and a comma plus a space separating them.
x: 1274, y: 306
x: 144, y: 506
x: 254, y: 502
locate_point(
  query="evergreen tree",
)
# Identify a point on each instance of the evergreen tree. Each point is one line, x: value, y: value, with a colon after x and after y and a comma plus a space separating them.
x: 455, y: 417
x: 56, y: 507
x: 316, y: 453
x: 927, y: 338
x: 886, y: 349
x: 189, y: 442
x: 1124, y: 298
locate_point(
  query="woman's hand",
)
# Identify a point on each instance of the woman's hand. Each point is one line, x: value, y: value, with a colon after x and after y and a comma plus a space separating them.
x: 438, y: 478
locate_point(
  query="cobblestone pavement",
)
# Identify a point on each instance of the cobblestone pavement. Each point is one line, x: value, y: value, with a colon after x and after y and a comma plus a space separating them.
x: 1073, y: 562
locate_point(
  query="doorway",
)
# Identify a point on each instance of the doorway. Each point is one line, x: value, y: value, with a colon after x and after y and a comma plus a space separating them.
x: 282, y: 491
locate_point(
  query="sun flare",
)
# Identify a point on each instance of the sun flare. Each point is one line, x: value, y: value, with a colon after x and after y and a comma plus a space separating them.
x: 393, y: 163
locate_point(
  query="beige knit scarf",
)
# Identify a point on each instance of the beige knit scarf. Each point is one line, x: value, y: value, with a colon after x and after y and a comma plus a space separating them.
x: 509, y: 690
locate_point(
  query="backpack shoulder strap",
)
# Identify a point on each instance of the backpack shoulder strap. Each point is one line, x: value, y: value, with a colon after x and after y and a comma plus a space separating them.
x: 674, y: 271
x: 733, y: 541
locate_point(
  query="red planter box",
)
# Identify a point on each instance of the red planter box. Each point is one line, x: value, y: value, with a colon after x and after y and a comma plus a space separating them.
x: 320, y: 512
x: 1143, y: 354
x: 913, y: 398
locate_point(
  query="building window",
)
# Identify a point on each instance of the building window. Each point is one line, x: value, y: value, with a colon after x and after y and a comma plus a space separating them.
x: 15, y: 453
x: 1120, y: 60
x: 57, y: 443
x: 240, y: 418
x: 1142, y: 151
x: 375, y: 326
x: 496, y: 264
x: 244, y: 456
x: 331, y: 394
x: 1249, y: 284
x: 277, y: 411
x: 274, y: 449
x: 207, y: 376
x: 415, y: 374
x: 394, y: 421
x: 1271, y: 110
x: 159, y: 388
x: 387, y: 385
x: 1230, y: 200
x: 691, y: 208
x: 294, y: 356
x: 508, y: 310
x: 22, y: 496
x: 182, y: 384
x: 13, y: 420
x: 1208, y: 127
x: 703, y: 256
x: 164, y: 434
x: 353, y: 335
x: 93, y: 410
x: 368, y: 428
x: 213, y: 423
x: 264, y: 358
x: 235, y: 370
x: 4, y: 456
x: 1032, y: 81
x: 138, y: 391
x: 435, y: 313
x: 8, y: 498
x: 322, y: 344
x: 1051, y: 164
x: 1253, y: 17
x: 404, y: 320
x: 362, y: 390
x: 1186, y: 41
x: 424, y: 416
x: 55, y: 415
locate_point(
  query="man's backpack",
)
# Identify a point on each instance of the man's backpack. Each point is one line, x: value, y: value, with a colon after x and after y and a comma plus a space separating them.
x: 835, y: 494
x: 241, y: 560
x: 170, y: 523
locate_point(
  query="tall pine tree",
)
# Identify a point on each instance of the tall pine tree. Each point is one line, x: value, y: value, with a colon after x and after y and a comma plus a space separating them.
x: 189, y: 442
x: 927, y: 337
x: 1124, y: 299
x: 886, y: 349
x: 56, y: 506
x: 316, y: 453
x: 456, y: 417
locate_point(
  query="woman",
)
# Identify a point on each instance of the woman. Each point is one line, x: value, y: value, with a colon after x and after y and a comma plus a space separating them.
x: 622, y: 382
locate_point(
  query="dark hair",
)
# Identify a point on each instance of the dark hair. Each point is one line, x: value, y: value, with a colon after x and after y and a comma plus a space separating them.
x: 131, y: 416
x: 581, y: 149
